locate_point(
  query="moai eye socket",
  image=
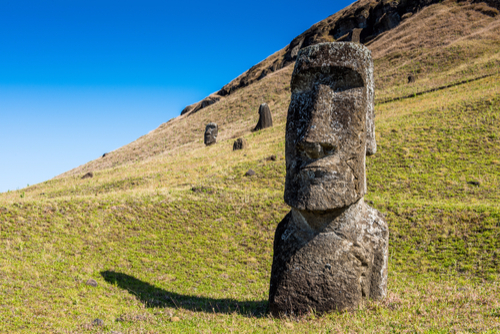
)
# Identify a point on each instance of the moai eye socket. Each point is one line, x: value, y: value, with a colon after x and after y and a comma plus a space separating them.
x: 338, y: 78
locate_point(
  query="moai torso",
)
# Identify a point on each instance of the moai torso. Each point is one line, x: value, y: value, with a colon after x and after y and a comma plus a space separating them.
x: 330, y: 251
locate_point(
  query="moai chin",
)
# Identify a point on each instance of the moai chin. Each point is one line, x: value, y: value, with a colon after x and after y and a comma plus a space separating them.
x: 330, y: 251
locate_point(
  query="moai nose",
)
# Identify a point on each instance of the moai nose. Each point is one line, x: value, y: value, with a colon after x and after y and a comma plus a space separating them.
x: 316, y: 141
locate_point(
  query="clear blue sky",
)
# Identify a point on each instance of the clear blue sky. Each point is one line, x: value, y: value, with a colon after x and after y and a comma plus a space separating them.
x: 81, y: 78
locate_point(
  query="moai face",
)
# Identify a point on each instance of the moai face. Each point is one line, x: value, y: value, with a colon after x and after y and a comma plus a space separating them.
x: 326, y: 133
x: 211, y: 132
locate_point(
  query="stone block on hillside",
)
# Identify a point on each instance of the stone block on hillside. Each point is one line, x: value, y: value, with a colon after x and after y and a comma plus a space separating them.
x: 265, y: 118
x: 88, y: 175
x: 356, y: 35
x: 240, y: 144
x: 331, y: 250
x: 211, y: 132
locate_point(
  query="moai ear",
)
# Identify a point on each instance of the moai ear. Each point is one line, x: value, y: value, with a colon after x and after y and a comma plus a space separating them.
x: 371, y: 143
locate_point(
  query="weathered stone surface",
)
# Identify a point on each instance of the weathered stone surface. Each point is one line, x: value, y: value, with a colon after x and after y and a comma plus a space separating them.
x: 271, y: 158
x: 356, y: 35
x: 331, y: 264
x: 331, y: 250
x: 265, y: 118
x: 98, y: 322
x: 91, y: 282
x: 195, y: 107
x: 330, y: 111
x: 240, y: 144
x: 211, y: 132
x: 250, y: 172
x: 88, y: 175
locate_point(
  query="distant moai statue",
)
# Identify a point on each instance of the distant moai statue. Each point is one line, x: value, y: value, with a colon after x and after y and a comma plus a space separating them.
x: 411, y: 78
x: 265, y: 118
x: 211, y: 132
x: 356, y: 35
x: 331, y: 249
x: 239, y: 144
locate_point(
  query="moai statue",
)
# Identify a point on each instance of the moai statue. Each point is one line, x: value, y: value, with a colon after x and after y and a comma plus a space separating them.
x: 240, y: 144
x: 356, y: 35
x: 411, y: 78
x: 211, y: 132
x: 265, y: 118
x: 330, y: 250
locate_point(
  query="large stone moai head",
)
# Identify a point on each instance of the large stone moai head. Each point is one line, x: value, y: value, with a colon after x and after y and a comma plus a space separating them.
x: 211, y: 132
x: 330, y: 126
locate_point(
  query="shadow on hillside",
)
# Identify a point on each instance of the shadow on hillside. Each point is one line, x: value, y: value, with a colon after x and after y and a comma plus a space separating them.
x: 152, y: 296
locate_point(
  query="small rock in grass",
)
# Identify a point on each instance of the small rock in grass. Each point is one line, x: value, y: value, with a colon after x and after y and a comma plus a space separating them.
x: 92, y: 282
x: 175, y: 319
x: 250, y: 172
x: 474, y: 183
x: 98, y: 322
x: 202, y: 189
x: 88, y: 175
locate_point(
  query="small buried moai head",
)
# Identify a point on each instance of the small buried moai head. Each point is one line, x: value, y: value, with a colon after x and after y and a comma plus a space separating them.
x: 211, y: 132
x: 329, y: 126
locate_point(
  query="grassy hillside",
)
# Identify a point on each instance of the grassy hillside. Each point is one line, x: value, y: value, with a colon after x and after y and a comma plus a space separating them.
x: 179, y: 240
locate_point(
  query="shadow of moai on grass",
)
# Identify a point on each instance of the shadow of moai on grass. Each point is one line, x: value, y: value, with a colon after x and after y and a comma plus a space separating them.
x: 154, y: 297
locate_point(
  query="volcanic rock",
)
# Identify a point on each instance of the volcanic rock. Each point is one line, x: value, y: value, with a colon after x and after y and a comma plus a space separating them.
x: 331, y: 250
x: 211, y: 132
x: 88, y: 175
x: 240, y: 144
x: 265, y: 118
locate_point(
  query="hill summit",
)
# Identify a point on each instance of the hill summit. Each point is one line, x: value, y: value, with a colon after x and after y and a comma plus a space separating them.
x: 362, y: 22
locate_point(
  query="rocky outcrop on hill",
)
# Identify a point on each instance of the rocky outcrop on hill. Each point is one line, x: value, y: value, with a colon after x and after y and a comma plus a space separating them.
x: 191, y: 109
x: 361, y: 22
